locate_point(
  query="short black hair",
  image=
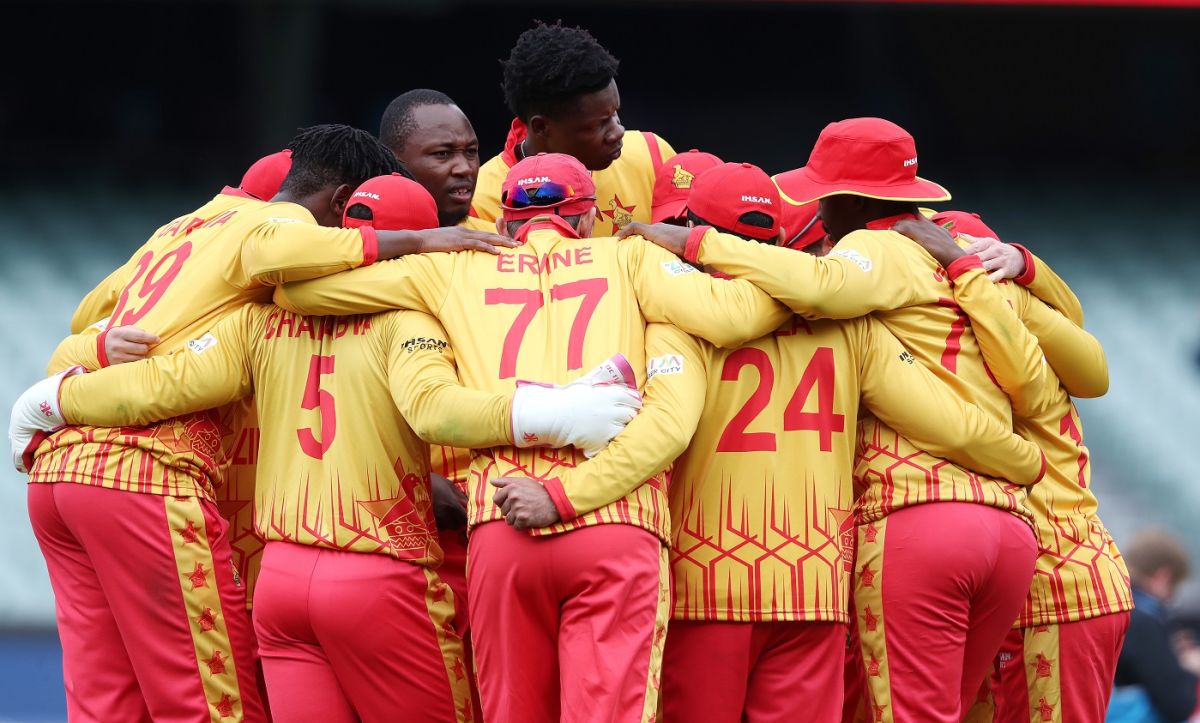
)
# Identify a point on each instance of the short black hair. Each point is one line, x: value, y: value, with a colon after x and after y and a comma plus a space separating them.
x: 332, y: 154
x: 758, y: 219
x: 397, y: 123
x: 551, y: 66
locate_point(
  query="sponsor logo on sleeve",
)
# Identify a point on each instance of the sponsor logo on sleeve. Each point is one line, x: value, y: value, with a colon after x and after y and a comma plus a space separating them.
x: 907, y: 358
x: 853, y: 257
x: 202, y: 344
x: 282, y: 219
x: 424, y: 343
x: 676, y: 267
x: 666, y: 364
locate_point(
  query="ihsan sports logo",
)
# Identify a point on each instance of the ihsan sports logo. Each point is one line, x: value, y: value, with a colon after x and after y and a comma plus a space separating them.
x: 423, y: 343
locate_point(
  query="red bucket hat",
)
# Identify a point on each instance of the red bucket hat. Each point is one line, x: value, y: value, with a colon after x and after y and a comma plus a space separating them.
x: 869, y: 157
x: 264, y: 177
x: 547, y: 181
x: 673, y: 181
x: 722, y: 195
x: 397, y: 204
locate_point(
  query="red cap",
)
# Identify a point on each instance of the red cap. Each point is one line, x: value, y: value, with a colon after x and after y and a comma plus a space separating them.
x: 957, y: 222
x: 673, y: 182
x: 264, y: 177
x: 723, y: 194
x: 397, y: 204
x: 560, y: 177
x: 801, y: 225
x: 869, y: 157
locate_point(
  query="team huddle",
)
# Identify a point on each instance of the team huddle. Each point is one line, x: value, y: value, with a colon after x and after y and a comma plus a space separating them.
x: 595, y: 431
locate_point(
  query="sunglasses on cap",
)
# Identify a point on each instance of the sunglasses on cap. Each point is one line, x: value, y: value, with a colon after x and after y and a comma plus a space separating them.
x: 547, y: 194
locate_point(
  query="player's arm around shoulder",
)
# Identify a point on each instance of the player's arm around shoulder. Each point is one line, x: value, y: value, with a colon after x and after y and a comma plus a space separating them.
x: 284, y: 244
x: 673, y: 399
x: 1012, y: 354
x: 1076, y: 356
x: 906, y: 396
x: 726, y: 312
x: 426, y: 389
x: 210, y: 371
x: 419, y: 282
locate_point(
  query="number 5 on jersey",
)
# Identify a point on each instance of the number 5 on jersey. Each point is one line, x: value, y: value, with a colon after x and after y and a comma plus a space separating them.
x: 317, y: 398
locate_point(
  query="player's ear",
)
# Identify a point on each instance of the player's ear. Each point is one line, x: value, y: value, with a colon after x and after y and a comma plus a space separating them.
x: 538, y: 125
x: 781, y: 237
x: 339, y: 199
x: 586, y: 222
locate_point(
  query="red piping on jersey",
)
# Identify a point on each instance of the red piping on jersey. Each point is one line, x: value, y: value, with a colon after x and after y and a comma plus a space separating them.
x: 240, y: 193
x: 885, y: 224
x: 962, y: 265
x: 558, y: 495
x: 516, y: 133
x: 691, y: 249
x: 101, y: 356
x: 370, y: 243
x: 655, y: 152
x: 1026, y: 277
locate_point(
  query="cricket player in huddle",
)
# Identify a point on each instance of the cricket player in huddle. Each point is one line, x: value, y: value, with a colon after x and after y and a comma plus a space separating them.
x: 113, y: 508
x: 546, y: 633
x: 744, y: 494
x: 1059, y: 660
x: 761, y: 588
x: 351, y: 615
x: 561, y: 86
x: 914, y: 506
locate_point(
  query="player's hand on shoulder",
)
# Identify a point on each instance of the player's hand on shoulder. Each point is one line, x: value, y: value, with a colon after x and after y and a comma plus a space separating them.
x: 457, y: 238
x: 931, y: 237
x: 34, y: 416
x: 128, y: 343
x: 586, y: 414
x: 671, y: 238
x: 525, y: 503
x: 1000, y: 260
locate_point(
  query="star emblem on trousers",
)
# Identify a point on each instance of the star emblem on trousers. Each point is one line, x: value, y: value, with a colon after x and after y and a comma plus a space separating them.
x: 216, y: 664
x: 199, y: 576
x: 188, y: 534
x: 207, y: 621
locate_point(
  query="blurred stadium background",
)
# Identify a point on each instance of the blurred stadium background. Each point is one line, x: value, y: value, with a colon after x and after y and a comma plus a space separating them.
x: 1070, y: 128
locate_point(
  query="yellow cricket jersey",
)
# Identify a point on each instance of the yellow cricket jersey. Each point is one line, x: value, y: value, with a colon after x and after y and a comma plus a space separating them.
x: 1080, y: 573
x: 624, y: 190
x: 191, y: 273
x: 339, y: 467
x: 449, y: 462
x: 550, y: 310
x: 759, y: 499
x: 879, y: 270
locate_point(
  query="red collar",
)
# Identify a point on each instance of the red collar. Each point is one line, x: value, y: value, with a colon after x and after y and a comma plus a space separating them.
x: 517, y: 133
x: 538, y: 223
x: 235, y: 191
x: 885, y: 224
